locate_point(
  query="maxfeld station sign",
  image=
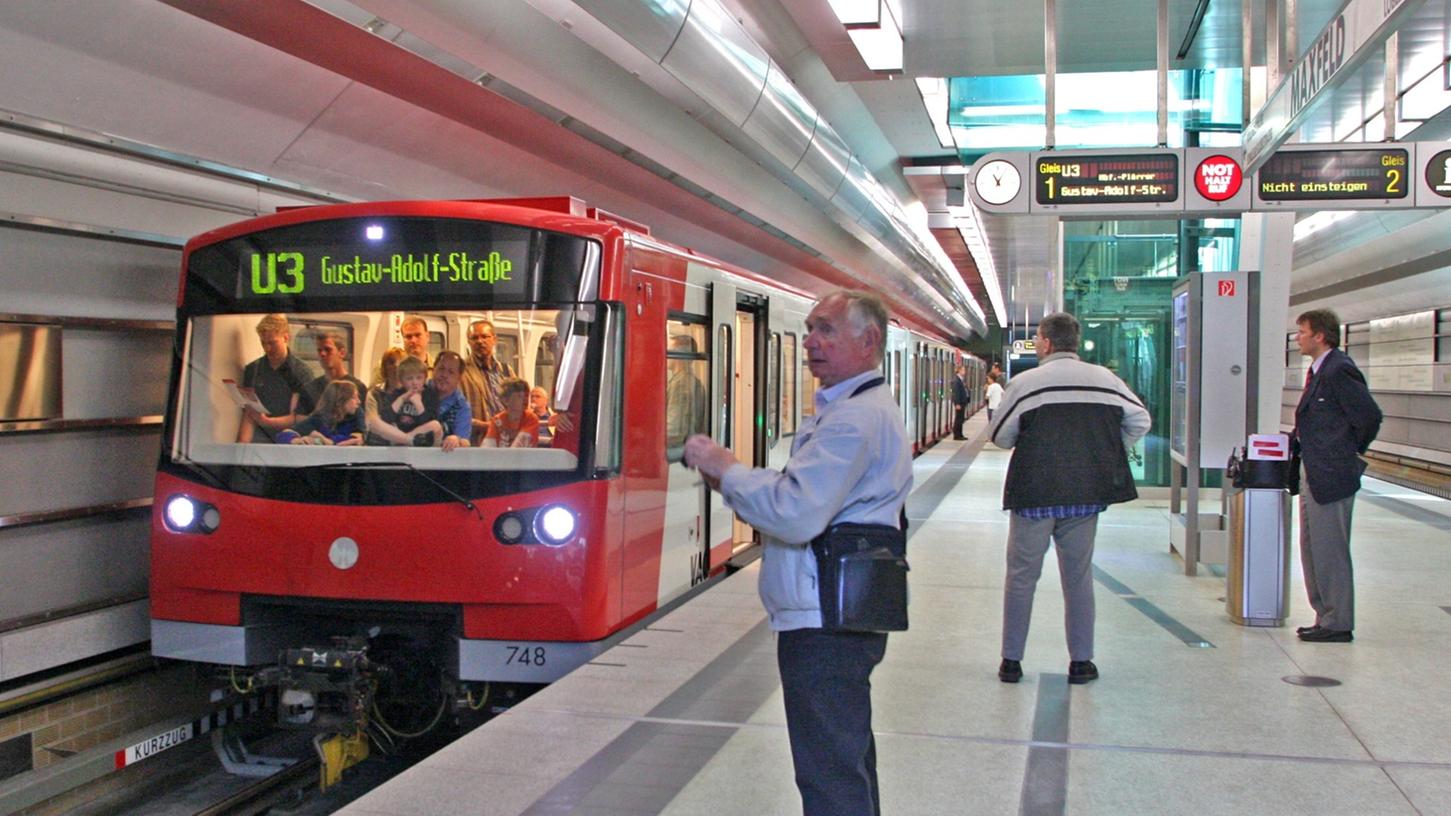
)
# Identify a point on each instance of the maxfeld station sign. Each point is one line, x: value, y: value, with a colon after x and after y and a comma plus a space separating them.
x: 1170, y: 182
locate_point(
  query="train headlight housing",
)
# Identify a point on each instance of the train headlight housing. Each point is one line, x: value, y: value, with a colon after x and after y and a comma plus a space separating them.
x: 555, y: 525
x: 185, y: 514
x: 509, y: 528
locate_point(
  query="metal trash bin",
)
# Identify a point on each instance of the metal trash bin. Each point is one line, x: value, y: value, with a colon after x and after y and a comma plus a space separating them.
x: 1259, y: 541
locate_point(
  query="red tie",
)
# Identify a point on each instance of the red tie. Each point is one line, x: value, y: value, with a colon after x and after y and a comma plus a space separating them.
x: 1309, y: 372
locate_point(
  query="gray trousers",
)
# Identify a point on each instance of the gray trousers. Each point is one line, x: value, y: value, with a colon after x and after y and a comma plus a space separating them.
x: 1325, y: 557
x: 1027, y: 544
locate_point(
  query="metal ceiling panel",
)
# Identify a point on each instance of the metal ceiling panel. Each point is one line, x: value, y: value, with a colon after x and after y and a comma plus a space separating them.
x: 824, y: 165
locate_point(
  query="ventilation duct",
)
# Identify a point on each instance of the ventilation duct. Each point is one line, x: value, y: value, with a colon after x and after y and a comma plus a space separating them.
x: 700, y: 44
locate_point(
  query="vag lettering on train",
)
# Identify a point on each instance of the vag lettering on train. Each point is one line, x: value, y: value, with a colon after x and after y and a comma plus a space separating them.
x: 265, y: 275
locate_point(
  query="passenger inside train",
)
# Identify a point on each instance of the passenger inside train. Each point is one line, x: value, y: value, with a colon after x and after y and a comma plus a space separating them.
x: 232, y: 396
x: 335, y: 421
x: 516, y: 426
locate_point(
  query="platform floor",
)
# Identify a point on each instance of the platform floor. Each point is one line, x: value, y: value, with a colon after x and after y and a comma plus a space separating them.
x: 1192, y: 715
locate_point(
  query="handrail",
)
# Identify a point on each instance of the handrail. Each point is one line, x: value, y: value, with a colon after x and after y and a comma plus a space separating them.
x: 72, y: 513
x: 39, y: 425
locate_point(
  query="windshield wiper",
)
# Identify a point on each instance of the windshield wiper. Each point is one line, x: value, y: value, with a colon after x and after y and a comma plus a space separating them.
x: 442, y: 488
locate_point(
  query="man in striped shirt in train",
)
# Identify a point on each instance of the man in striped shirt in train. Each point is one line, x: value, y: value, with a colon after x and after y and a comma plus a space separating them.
x: 1070, y: 424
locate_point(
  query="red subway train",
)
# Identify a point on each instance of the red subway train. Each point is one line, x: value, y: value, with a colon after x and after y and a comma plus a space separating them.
x: 483, y: 564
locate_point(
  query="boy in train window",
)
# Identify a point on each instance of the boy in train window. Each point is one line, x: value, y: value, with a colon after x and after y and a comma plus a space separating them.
x: 412, y: 408
x: 515, y: 426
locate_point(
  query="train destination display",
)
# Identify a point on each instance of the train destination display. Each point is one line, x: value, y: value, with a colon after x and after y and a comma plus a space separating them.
x: 1154, y: 183
x: 1139, y: 178
x: 1336, y: 175
x: 356, y: 273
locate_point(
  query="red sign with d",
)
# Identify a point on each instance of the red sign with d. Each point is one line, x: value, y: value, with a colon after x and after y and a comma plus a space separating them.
x: 1218, y: 178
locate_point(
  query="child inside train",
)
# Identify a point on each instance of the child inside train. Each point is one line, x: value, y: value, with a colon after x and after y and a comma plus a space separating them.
x: 515, y: 426
x: 335, y: 421
x: 412, y: 408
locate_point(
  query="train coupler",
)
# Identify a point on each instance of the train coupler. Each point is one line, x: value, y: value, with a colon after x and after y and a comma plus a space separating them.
x: 338, y: 752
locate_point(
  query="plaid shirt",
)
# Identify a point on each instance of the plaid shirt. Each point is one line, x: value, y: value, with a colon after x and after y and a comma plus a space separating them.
x: 1061, y: 511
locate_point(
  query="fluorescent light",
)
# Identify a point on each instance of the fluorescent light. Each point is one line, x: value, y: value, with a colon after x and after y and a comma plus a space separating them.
x: 968, y: 221
x: 879, y: 45
x: 857, y: 12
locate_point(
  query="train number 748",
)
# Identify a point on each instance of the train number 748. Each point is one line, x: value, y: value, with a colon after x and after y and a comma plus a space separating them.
x: 526, y: 656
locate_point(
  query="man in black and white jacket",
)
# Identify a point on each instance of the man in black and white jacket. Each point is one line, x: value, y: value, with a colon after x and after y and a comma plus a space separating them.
x: 1069, y: 424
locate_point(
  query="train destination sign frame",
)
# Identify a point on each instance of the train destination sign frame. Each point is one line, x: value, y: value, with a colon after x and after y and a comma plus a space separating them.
x: 1129, y: 178
x: 1088, y: 183
x: 1359, y: 176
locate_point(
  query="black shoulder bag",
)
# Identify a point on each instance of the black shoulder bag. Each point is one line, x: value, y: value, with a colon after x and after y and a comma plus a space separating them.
x: 861, y: 572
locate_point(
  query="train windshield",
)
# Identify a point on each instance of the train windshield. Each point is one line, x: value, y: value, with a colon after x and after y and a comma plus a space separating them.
x: 452, y: 347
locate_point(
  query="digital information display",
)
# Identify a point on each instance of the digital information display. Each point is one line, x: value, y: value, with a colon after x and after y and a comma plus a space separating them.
x: 362, y: 271
x: 1147, y: 178
x: 1335, y: 175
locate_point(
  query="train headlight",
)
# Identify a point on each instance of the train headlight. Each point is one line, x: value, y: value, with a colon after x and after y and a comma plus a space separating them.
x: 181, y: 513
x: 554, y: 525
x: 187, y: 515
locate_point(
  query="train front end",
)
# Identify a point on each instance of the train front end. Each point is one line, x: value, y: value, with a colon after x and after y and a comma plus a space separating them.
x: 486, y: 564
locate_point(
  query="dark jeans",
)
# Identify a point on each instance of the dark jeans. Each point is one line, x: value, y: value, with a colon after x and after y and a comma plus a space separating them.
x: 957, y: 419
x: 826, y: 682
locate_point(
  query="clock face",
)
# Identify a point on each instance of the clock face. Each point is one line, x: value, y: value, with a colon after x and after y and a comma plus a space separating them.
x: 997, y: 182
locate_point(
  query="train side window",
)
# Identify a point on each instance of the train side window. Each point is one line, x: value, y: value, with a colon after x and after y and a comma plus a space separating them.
x: 687, y: 405
x: 789, y: 371
x: 897, y: 375
x: 808, y: 387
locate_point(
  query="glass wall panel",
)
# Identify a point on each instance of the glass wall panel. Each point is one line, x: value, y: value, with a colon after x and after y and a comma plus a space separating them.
x: 1118, y: 281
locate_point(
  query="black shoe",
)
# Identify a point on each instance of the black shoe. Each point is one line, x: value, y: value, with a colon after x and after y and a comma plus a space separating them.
x: 1305, y: 629
x: 1082, y: 671
x: 1327, y: 636
x: 960, y: 438
x: 1010, y: 671
x: 423, y: 440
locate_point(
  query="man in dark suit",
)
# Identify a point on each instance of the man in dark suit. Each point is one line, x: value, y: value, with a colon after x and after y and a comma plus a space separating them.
x: 960, y: 399
x: 1335, y: 421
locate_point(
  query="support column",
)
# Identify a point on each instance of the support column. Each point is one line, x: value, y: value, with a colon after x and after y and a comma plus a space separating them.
x: 1267, y: 247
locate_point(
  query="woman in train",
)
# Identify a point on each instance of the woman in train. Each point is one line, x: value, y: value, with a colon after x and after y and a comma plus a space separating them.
x: 333, y: 422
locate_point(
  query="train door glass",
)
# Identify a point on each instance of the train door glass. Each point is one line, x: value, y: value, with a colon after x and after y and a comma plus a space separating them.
x: 506, y: 349
x: 808, y: 387
x: 544, y: 364
x: 897, y: 376
x: 773, y: 390
x: 744, y: 408
x: 789, y: 374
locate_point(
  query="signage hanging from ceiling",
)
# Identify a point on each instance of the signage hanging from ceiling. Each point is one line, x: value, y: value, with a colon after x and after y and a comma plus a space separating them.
x: 1369, y: 175
x: 1147, y: 182
x: 1218, y: 178
x: 1437, y: 174
x: 1130, y: 178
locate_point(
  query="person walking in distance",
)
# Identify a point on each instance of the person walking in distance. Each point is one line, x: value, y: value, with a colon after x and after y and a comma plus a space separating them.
x: 1070, y: 425
x: 1335, y: 421
x: 851, y: 462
